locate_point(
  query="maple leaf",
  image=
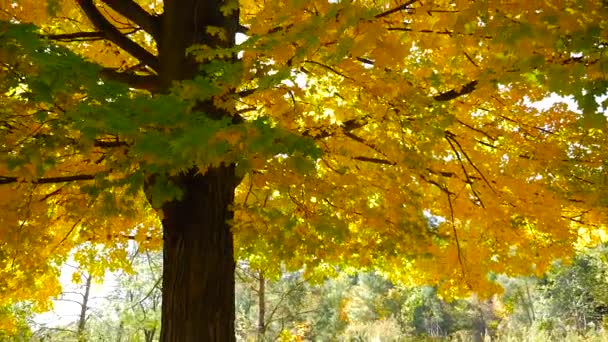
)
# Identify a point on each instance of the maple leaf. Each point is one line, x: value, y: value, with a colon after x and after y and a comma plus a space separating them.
x: 336, y: 134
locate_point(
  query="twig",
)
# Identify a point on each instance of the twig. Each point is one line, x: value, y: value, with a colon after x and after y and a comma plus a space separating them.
x: 405, y: 6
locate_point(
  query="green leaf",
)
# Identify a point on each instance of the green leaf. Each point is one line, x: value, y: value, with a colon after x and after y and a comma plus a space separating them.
x: 163, y: 190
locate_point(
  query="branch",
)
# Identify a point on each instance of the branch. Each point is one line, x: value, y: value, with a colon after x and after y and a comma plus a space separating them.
x: 156, y: 286
x: 242, y: 29
x: 365, y: 142
x: 115, y: 36
x: 447, y: 96
x: 365, y: 60
x: 283, y: 296
x: 452, y: 94
x: 346, y: 126
x: 441, y: 187
x: 50, y: 194
x: 330, y: 69
x: 135, y: 13
x: 48, y: 180
x: 146, y: 82
x: 246, y: 92
x: 110, y: 143
x: 76, y: 36
x: 476, y: 130
x: 68, y: 233
x: 375, y: 160
x: 446, y: 32
x: 81, y: 36
x: 464, y: 170
x: 460, y: 261
x: 405, y: 6
x: 470, y: 59
x: 69, y: 300
x: 452, y: 137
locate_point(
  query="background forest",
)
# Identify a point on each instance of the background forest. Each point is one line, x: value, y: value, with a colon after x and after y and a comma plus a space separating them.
x: 569, y: 303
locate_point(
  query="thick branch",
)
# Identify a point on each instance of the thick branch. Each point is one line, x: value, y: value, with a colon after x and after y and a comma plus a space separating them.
x: 110, y: 143
x: 147, y: 82
x: 452, y: 94
x: 82, y: 36
x: 115, y: 36
x: 76, y: 36
x: 375, y: 160
x: 48, y: 180
x: 135, y: 13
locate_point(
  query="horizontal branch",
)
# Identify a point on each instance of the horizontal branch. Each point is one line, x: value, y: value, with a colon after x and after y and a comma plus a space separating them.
x: 375, y: 160
x: 146, y: 82
x: 445, y: 32
x: 365, y: 60
x: 75, y: 36
x: 452, y: 94
x: 47, y: 180
x: 115, y: 36
x: 110, y: 143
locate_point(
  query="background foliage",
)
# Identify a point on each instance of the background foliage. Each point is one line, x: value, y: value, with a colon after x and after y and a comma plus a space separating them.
x: 568, y: 303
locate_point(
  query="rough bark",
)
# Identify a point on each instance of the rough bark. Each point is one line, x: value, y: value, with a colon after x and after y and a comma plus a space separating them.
x: 198, y: 273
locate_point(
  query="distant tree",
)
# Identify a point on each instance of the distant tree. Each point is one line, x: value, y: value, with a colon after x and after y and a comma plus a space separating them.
x: 268, y: 306
x: 131, y: 311
x: 523, y: 299
x: 578, y: 292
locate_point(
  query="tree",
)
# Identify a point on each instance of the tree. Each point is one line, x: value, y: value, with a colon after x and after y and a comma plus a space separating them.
x: 266, y: 308
x: 576, y: 293
x: 569, y: 301
x: 131, y: 312
x: 330, y: 136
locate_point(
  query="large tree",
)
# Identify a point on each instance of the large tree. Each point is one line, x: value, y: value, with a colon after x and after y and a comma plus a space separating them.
x: 387, y: 134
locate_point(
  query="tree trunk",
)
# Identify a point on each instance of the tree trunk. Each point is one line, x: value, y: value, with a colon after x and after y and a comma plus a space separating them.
x: 261, y: 306
x: 84, y: 306
x: 198, y: 272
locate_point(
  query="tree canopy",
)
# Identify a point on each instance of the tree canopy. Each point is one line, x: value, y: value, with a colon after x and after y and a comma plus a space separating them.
x: 395, y: 135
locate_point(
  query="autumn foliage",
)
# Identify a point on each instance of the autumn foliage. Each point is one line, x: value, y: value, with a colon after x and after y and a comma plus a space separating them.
x: 395, y: 135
